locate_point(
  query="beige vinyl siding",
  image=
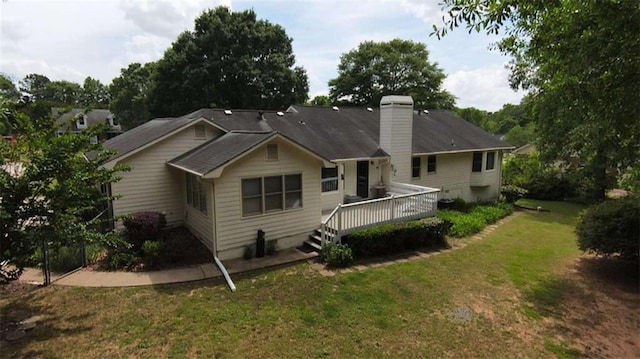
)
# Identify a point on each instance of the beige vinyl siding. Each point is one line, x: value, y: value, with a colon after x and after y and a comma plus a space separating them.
x: 233, y: 232
x: 452, y: 176
x: 200, y: 224
x: 151, y: 185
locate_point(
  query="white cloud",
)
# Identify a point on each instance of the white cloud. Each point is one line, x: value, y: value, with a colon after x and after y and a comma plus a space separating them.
x: 166, y: 18
x: 485, y: 88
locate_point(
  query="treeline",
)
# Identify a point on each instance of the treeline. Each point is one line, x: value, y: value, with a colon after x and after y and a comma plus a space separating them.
x: 511, y: 121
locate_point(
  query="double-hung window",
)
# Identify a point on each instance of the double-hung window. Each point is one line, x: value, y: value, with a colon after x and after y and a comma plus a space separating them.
x: 476, y: 165
x: 491, y: 161
x: 329, y: 179
x: 196, y: 194
x: 431, y: 164
x: 415, y: 167
x: 271, y: 194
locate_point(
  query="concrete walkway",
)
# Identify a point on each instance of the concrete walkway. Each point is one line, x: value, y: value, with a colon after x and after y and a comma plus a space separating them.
x: 91, y: 278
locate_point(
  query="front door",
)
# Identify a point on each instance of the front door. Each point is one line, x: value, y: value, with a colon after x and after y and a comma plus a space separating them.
x: 362, y: 173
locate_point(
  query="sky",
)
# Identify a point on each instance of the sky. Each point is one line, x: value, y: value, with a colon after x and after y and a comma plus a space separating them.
x: 70, y: 40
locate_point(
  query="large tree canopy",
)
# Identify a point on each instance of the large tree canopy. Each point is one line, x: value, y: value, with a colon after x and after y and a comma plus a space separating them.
x: 376, y: 69
x: 232, y: 60
x: 579, y: 59
x: 130, y: 94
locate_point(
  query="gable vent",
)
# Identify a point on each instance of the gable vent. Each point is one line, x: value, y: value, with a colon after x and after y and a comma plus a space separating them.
x: 199, y: 132
x: 272, y: 152
x: 228, y: 112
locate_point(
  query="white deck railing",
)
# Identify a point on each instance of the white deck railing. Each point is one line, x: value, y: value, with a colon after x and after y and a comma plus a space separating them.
x: 406, y: 202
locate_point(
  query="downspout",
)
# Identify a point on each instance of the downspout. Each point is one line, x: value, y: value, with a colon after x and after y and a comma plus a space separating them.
x: 216, y: 260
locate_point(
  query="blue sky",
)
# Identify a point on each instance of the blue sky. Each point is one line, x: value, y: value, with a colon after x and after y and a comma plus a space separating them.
x: 71, y: 40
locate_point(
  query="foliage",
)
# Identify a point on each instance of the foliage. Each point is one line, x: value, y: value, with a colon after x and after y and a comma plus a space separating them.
x: 143, y: 226
x: 272, y: 247
x: 94, y: 94
x: 337, y: 255
x: 320, y: 100
x: 397, y: 237
x: 130, y: 93
x: 248, y: 252
x: 120, y: 259
x: 519, y: 136
x: 511, y: 120
x: 466, y: 224
x: 55, y: 196
x: 540, y: 180
x: 229, y: 60
x: 579, y: 59
x: 153, y: 252
x: 611, y: 228
x: 376, y: 69
x: 512, y: 193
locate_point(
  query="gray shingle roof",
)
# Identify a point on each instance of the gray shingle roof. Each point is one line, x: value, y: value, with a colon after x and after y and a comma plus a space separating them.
x: 345, y: 134
x: 213, y: 154
x: 93, y: 117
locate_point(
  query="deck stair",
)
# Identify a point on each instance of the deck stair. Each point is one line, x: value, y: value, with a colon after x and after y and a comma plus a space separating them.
x: 314, y: 242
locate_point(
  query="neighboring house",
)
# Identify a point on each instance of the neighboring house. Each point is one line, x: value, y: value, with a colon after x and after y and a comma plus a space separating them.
x: 524, y: 150
x: 225, y: 174
x: 77, y: 120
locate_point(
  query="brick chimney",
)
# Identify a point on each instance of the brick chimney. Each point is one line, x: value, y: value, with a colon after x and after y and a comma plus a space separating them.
x: 396, y: 126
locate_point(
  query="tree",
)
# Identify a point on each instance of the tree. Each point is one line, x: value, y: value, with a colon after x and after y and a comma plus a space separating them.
x: 55, y: 196
x: 130, y: 94
x: 320, y: 100
x: 376, y: 69
x: 94, y: 94
x: 63, y: 93
x: 229, y: 60
x: 579, y: 59
x: 34, y: 86
x: 8, y: 89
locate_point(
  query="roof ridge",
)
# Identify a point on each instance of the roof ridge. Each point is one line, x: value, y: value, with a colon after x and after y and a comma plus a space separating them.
x: 252, y: 132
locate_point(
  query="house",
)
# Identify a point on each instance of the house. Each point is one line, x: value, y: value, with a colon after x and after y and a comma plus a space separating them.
x: 524, y: 150
x: 77, y: 119
x: 225, y: 174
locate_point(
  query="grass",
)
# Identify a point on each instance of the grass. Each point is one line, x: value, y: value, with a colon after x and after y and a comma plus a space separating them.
x: 508, y: 280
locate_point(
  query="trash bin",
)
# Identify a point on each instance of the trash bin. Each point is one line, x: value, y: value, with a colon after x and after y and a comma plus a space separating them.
x: 260, y: 244
x: 445, y: 203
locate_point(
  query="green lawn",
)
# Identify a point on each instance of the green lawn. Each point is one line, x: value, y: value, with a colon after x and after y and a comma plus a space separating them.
x: 488, y: 299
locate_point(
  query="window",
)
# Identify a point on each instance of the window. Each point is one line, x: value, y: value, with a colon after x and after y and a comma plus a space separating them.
x: 271, y: 194
x: 491, y: 160
x: 329, y: 179
x: 113, y: 122
x: 196, y: 194
x: 81, y: 121
x: 431, y: 164
x: 199, y: 132
x: 415, y: 167
x: 476, y: 165
x: 272, y: 152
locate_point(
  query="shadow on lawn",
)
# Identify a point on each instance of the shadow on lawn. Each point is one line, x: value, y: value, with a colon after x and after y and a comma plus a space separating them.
x: 26, y: 304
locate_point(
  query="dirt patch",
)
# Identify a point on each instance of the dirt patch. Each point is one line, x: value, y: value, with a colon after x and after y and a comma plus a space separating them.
x: 600, y: 309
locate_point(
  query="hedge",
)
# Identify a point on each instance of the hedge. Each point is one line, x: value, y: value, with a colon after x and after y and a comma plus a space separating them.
x: 397, y: 237
x: 466, y: 224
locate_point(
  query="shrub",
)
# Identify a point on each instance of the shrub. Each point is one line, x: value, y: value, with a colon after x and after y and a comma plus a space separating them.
x: 611, y: 227
x: 513, y: 193
x: 397, y: 237
x: 466, y: 224
x: 337, y: 255
x: 143, y: 226
x: 272, y: 247
x: 153, y: 252
x: 121, y: 259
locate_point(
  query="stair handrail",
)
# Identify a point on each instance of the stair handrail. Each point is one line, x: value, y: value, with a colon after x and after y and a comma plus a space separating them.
x: 323, y: 225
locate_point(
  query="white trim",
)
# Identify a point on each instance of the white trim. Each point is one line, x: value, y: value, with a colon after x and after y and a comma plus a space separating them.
x: 157, y: 140
x: 360, y: 159
x: 463, y: 151
x: 184, y: 169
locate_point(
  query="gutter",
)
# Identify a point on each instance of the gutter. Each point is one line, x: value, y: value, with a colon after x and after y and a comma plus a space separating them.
x: 227, y: 278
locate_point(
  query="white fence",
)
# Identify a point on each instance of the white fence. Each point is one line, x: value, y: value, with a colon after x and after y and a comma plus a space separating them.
x: 406, y: 202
